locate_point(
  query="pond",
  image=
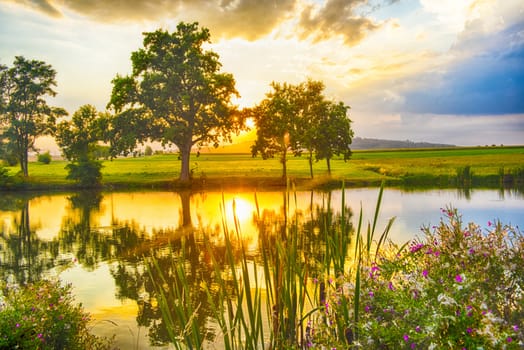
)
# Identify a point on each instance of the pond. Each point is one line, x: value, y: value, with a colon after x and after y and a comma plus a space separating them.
x: 98, y: 241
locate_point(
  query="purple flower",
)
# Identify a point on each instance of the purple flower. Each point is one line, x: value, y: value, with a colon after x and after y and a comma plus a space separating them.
x: 417, y: 329
x: 515, y: 328
x: 469, y: 330
x: 425, y: 273
x: 367, y: 308
x: 371, y: 294
x: 489, y: 223
x: 18, y: 325
x: 458, y: 278
x: 416, y: 247
x: 390, y: 286
x: 406, y: 338
x: 509, y: 339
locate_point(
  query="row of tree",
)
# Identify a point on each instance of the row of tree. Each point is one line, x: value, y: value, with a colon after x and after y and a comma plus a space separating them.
x: 177, y: 95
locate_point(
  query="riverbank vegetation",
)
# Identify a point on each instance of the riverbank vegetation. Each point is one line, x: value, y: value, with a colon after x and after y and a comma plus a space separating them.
x: 454, y: 167
x: 457, y: 286
x: 44, y: 315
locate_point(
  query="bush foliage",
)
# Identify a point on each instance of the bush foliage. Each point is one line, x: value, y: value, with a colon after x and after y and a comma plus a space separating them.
x: 44, y: 316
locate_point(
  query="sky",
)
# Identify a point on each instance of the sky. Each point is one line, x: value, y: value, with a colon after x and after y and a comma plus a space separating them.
x: 446, y: 71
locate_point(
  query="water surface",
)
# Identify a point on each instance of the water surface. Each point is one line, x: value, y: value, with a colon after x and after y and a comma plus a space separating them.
x: 98, y: 241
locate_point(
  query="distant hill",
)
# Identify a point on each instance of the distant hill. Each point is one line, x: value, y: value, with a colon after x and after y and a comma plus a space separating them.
x: 243, y: 145
x: 360, y: 143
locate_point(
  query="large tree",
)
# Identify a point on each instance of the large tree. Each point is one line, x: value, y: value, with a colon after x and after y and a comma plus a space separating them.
x: 176, y: 94
x: 24, y: 112
x: 78, y: 138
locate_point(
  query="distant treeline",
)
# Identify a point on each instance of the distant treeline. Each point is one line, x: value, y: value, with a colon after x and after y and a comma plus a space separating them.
x: 365, y: 143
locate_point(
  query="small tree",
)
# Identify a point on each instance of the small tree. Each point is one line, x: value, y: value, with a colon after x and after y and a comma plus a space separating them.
x: 334, y: 134
x: 277, y: 122
x: 78, y: 139
x: 24, y: 111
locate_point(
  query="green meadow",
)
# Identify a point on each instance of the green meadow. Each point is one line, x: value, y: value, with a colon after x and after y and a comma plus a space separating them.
x: 476, y: 166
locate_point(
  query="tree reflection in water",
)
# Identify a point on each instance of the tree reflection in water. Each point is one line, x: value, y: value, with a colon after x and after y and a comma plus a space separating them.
x: 125, y: 247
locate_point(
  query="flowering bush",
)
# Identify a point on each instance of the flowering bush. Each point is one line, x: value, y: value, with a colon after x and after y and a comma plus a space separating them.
x: 43, y: 316
x: 457, y: 288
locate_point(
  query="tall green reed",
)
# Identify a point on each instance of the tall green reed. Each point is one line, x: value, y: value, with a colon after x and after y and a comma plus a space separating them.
x: 274, y: 311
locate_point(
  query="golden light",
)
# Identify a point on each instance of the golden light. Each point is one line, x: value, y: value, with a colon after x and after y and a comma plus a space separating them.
x: 250, y: 123
x: 242, y: 209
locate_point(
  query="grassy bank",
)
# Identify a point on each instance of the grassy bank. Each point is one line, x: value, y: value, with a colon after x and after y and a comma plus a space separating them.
x: 480, y: 166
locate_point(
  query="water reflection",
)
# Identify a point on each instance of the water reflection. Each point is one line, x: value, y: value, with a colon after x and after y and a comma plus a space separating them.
x: 100, y: 241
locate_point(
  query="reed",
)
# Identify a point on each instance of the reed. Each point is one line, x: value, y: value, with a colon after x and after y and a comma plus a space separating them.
x: 273, y: 303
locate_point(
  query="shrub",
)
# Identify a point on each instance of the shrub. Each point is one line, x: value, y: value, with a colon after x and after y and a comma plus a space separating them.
x: 148, y: 151
x: 4, y: 176
x: 44, y: 316
x: 459, y: 287
x: 85, y: 173
x: 44, y: 158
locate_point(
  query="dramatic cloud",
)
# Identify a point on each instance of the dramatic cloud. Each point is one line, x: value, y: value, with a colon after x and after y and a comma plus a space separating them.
x: 336, y: 17
x: 249, y: 19
x: 489, y: 79
x: 41, y: 5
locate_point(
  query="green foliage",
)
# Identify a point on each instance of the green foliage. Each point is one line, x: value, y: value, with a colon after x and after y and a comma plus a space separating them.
x: 175, y: 95
x: 85, y: 173
x: 24, y: 111
x: 78, y: 139
x: 457, y: 287
x: 44, y: 158
x: 294, y: 118
x: 44, y: 316
x: 4, y: 176
x: 148, y: 151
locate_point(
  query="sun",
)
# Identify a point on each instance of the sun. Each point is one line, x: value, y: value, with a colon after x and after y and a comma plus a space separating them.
x: 250, y: 123
x: 242, y: 209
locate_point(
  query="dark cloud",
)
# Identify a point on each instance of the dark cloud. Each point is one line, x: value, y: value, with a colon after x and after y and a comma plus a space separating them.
x: 41, y: 5
x: 338, y: 17
x: 489, y: 81
x: 226, y: 18
x: 250, y: 19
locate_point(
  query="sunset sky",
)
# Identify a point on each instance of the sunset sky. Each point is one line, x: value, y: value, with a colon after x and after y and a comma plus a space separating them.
x: 446, y: 71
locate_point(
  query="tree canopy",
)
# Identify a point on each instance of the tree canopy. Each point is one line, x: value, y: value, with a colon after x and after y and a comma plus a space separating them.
x: 175, y: 95
x: 24, y: 112
x: 298, y: 118
x: 78, y: 138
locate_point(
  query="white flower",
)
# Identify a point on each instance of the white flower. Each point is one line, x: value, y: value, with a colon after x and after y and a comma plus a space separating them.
x: 446, y: 300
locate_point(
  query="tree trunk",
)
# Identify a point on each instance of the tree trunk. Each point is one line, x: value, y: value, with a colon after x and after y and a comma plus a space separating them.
x: 185, y: 199
x: 311, y: 164
x: 24, y: 163
x: 283, y: 160
x: 185, y: 154
x: 328, y: 161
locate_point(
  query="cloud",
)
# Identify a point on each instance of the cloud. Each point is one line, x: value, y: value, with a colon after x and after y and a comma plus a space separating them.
x: 487, y: 78
x: 249, y: 19
x: 42, y: 6
x: 336, y: 17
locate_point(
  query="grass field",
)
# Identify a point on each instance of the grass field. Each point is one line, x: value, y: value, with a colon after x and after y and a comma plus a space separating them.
x: 428, y: 167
